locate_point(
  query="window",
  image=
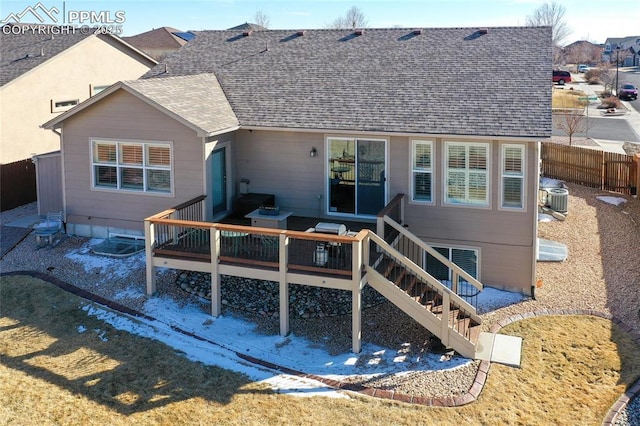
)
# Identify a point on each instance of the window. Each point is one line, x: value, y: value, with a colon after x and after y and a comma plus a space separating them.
x: 465, y: 258
x: 132, y: 166
x: 422, y: 171
x: 61, y: 106
x: 467, y: 173
x: 97, y: 89
x: 513, y: 161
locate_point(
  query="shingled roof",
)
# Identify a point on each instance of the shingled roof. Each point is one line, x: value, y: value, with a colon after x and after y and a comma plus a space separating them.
x: 460, y: 81
x: 19, y: 53
x: 196, y: 101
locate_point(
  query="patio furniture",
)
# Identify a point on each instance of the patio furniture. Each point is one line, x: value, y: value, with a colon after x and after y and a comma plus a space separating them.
x: 278, y: 221
x: 235, y: 238
x: 49, y: 231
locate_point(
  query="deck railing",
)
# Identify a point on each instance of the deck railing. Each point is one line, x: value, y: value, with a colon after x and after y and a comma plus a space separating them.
x: 395, y: 211
x: 417, y: 251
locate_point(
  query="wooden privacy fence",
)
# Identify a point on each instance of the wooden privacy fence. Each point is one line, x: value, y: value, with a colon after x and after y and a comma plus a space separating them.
x: 17, y: 184
x: 593, y: 168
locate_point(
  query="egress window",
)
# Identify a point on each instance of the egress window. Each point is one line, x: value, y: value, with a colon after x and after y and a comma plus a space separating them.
x: 131, y: 166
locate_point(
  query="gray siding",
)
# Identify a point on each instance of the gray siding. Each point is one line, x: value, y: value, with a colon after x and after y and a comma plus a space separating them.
x: 49, y: 183
x: 122, y: 116
x: 279, y: 163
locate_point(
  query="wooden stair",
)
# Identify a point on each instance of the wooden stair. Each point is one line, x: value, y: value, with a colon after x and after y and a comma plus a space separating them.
x: 430, y: 300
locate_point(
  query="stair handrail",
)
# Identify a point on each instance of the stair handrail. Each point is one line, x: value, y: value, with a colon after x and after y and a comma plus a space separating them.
x: 458, y: 301
x: 458, y: 270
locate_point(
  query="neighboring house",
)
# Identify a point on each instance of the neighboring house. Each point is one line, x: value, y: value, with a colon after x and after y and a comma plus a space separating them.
x: 582, y: 52
x: 44, y: 73
x: 160, y: 42
x: 429, y: 113
x: 247, y: 26
x: 623, y: 49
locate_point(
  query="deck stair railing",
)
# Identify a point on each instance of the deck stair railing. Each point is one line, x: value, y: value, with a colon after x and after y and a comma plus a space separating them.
x: 428, y: 301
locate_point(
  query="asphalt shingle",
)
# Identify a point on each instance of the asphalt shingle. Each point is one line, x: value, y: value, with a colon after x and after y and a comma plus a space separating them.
x: 450, y: 81
x: 24, y: 50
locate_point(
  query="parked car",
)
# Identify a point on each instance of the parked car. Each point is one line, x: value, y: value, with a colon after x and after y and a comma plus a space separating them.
x: 583, y: 68
x: 561, y: 77
x: 628, y: 91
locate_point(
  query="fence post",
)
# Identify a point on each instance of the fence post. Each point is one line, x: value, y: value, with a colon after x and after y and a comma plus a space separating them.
x: 636, y: 184
x: 214, y: 235
x: 149, y: 239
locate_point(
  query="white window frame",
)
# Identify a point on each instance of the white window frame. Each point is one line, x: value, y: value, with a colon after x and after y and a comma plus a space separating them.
x: 118, y: 165
x: 414, y: 170
x: 450, y: 249
x: 55, y: 107
x: 522, y: 175
x: 97, y: 89
x: 467, y: 172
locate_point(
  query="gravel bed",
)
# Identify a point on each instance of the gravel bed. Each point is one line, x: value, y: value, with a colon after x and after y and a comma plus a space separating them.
x: 601, y: 273
x: 630, y: 416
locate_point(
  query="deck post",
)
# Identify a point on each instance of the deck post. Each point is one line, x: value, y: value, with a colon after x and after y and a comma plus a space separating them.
x: 215, y: 274
x: 356, y: 296
x: 284, y: 285
x: 149, y: 238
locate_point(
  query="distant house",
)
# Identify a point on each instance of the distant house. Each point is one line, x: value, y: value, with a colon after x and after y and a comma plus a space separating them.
x: 160, y: 42
x: 582, y: 52
x: 43, y: 74
x: 623, y: 49
x: 335, y: 123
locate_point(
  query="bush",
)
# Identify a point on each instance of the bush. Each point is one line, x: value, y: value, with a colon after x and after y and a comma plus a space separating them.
x: 593, y: 76
x: 610, y: 102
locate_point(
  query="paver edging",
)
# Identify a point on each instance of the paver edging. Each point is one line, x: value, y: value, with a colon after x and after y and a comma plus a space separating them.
x: 468, y: 397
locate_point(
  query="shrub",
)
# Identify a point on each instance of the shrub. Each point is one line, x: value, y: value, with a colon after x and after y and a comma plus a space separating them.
x: 593, y: 76
x: 610, y: 102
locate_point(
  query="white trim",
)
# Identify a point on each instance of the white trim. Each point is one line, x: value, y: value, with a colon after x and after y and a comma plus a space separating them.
x: 431, y: 170
x: 445, y: 174
x: 450, y: 247
x: 145, y: 144
x: 358, y: 133
x: 62, y: 108
x: 523, y: 177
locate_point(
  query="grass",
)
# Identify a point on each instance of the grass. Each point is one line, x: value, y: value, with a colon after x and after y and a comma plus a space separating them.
x: 61, y: 366
x: 566, y: 99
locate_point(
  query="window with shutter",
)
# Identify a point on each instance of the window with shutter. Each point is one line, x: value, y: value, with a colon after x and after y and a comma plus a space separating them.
x: 132, y: 166
x: 513, y: 176
x: 422, y: 171
x: 467, y: 173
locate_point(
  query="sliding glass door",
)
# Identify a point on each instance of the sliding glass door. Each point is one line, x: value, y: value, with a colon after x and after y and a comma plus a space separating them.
x: 357, y: 173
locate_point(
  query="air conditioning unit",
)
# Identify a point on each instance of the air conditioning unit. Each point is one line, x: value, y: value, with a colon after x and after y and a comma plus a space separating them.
x: 558, y: 199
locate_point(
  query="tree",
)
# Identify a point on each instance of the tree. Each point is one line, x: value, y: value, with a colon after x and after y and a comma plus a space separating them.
x: 354, y: 18
x: 551, y: 15
x: 570, y: 117
x: 261, y: 18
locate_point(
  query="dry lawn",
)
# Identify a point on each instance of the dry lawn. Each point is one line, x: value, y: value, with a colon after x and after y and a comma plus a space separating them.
x: 565, y: 98
x: 61, y: 366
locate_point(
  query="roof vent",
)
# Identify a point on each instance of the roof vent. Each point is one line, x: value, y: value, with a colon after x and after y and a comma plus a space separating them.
x: 483, y: 30
x: 300, y: 33
x: 359, y: 32
x: 418, y: 31
x: 247, y: 33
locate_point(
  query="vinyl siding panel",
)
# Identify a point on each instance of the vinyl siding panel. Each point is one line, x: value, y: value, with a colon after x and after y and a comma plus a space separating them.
x: 122, y: 116
x: 279, y: 163
x: 49, y: 183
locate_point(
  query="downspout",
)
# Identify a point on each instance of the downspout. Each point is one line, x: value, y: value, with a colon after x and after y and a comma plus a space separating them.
x: 534, y: 282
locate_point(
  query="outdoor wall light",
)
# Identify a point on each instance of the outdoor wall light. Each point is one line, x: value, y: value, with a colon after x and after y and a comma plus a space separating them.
x: 313, y: 152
